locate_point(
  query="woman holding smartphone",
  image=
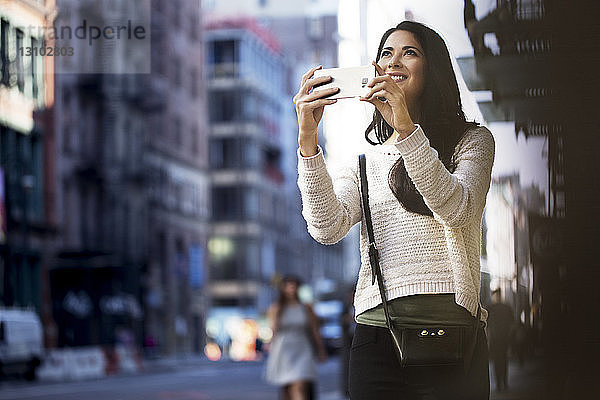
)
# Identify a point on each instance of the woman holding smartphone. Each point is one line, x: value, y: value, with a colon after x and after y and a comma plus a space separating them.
x: 429, y: 172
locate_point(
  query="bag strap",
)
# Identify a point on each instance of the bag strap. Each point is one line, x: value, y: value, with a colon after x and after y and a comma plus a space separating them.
x: 374, y: 256
x: 373, y: 252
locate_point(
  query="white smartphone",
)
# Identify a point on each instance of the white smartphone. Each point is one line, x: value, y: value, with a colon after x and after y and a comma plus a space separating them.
x: 352, y: 81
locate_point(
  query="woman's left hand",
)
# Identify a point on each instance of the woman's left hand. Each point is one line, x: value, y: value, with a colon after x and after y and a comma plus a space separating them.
x: 390, y: 101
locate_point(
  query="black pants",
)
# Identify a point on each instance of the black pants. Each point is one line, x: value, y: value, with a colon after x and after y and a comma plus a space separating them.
x: 375, y: 372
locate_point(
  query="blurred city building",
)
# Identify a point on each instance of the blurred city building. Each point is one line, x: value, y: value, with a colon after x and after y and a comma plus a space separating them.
x: 178, y: 178
x: 307, y: 35
x: 245, y: 77
x: 506, y: 246
x: 133, y: 188
x: 27, y: 218
x: 519, y: 55
x: 100, y: 250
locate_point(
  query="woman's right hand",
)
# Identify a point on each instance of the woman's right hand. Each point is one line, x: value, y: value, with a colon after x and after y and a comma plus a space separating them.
x: 309, y: 109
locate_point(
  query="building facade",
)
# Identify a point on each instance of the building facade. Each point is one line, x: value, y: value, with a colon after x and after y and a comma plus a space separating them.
x: 307, y: 34
x: 245, y: 76
x: 133, y: 199
x: 508, y: 261
x: 28, y: 224
x: 179, y: 184
x: 101, y: 211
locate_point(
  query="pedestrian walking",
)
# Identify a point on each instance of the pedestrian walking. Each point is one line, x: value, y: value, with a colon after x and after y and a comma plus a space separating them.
x: 500, y: 329
x: 296, y: 344
x: 420, y: 200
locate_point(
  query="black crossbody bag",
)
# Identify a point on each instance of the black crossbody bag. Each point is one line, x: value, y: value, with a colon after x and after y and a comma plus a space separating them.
x: 427, y: 345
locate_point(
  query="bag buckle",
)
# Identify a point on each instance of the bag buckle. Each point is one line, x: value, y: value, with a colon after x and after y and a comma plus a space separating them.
x: 433, y: 332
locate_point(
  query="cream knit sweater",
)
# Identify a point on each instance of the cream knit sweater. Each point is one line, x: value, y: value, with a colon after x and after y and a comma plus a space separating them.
x: 418, y: 254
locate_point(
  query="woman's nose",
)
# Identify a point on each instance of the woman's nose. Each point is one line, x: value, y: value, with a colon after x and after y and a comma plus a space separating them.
x: 395, y: 61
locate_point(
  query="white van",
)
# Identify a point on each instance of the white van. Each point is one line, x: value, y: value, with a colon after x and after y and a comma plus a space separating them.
x: 21, y: 341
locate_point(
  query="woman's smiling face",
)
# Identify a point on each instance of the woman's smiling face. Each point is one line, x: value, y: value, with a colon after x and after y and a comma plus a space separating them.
x: 403, y: 59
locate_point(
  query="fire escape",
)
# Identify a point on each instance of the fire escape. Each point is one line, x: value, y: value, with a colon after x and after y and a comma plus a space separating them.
x: 512, y: 46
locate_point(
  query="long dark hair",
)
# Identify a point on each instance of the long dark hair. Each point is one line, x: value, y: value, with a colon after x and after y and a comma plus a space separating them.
x: 282, y: 301
x: 442, y: 117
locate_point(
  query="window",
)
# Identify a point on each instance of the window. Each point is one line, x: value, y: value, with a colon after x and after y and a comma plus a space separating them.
x: 223, y: 57
x: 177, y: 71
x: 233, y: 203
x: 251, y: 154
x: 34, y: 70
x: 225, y: 258
x: 216, y: 153
x: 20, y: 62
x: 224, y: 51
x: 158, y: 60
x: 252, y: 263
x: 251, y: 204
x: 4, y: 61
x: 234, y: 258
x: 315, y: 28
x: 194, y: 83
x: 195, y: 140
x: 194, y: 20
x: 224, y: 107
x: 175, y: 9
x: 67, y: 121
x: 37, y: 192
x: 272, y: 169
x: 249, y: 107
x: 177, y: 131
x: 180, y: 263
x: 227, y: 203
x: 266, y: 206
x: 225, y: 153
x: 234, y: 153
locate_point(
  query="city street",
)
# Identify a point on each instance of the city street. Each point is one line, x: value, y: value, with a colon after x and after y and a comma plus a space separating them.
x: 190, y: 380
x: 199, y: 379
x: 177, y: 186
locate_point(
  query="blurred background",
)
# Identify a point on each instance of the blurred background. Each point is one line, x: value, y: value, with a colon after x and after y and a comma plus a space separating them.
x: 148, y: 196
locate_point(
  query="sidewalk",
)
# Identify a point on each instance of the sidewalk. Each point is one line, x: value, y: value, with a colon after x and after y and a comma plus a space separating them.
x: 177, y: 363
x: 524, y: 382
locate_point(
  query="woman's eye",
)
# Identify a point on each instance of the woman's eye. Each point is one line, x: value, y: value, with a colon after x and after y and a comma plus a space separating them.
x: 410, y: 52
x: 385, y: 53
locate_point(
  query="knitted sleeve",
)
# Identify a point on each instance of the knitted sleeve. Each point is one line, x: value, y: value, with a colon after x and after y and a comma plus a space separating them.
x: 456, y: 198
x: 330, y: 206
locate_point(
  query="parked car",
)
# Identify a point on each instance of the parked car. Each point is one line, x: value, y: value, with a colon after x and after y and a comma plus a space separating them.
x: 21, y: 342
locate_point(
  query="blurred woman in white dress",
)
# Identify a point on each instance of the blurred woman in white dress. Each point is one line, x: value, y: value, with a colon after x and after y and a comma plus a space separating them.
x: 296, y: 338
